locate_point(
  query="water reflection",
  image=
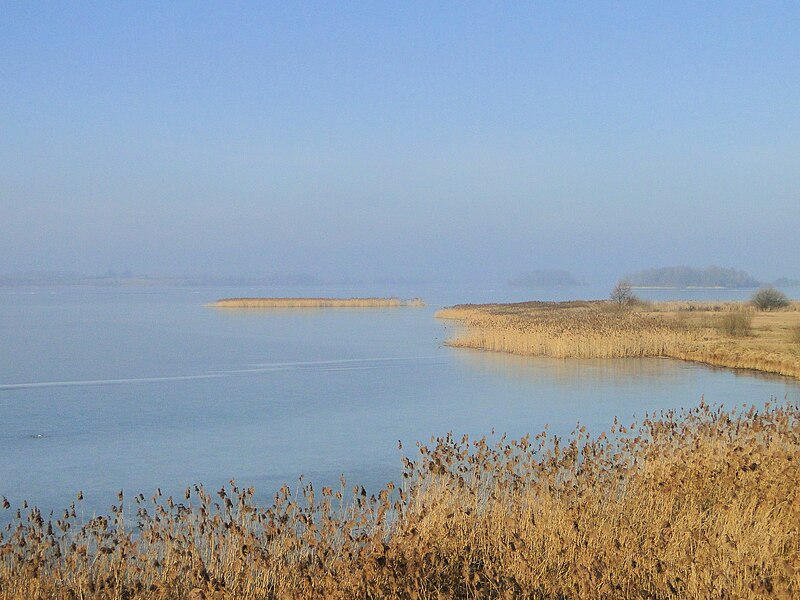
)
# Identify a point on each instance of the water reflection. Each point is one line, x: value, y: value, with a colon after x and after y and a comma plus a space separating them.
x: 595, y: 390
x: 566, y: 371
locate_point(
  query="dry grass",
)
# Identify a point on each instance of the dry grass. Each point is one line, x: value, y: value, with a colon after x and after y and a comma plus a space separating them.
x: 736, y: 324
x: 722, y: 334
x: 701, y: 504
x: 564, y: 330
x: 314, y: 303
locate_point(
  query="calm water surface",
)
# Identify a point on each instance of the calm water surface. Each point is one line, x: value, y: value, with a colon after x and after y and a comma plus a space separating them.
x: 104, y: 389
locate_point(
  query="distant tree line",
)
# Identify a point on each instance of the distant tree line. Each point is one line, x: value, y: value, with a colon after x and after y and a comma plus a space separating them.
x: 786, y: 282
x: 682, y: 277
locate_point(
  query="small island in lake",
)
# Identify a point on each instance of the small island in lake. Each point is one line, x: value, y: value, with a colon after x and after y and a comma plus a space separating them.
x: 315, y: 303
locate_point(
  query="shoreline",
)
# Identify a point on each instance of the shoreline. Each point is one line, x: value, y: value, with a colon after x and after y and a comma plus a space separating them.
x: 696, y: 332
x: 468, y: 520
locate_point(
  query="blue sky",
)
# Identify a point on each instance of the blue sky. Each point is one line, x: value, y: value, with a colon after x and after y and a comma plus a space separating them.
x: 418, y: 140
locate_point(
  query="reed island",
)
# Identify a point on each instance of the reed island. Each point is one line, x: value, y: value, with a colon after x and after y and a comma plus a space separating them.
x: 725, y: 334
x: 315, y: 303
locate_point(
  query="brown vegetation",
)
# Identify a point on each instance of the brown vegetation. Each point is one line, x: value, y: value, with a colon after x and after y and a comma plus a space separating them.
x: 736, y: 323
x: 722, y: 334
x: 314, y: 303
x: 701, y: 504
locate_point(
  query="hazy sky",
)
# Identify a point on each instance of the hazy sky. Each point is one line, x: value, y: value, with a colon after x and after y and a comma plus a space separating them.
x: 419, y: 140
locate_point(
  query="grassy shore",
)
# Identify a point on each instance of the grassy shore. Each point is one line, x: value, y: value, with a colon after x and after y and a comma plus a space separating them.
x: 701, y: 504
x: 723, y: 334
x: 314, y: 303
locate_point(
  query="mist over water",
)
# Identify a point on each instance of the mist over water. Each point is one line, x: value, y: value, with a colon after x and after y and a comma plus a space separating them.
x: 108, y: 389
x: 425, y: 142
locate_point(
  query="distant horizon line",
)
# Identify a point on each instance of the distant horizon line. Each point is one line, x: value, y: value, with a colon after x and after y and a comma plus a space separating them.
x: 127, y: 278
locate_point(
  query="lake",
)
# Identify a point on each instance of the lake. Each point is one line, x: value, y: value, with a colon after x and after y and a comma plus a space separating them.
x: 103, y: 389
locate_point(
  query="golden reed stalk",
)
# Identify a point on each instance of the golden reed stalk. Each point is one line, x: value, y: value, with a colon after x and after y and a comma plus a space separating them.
x: 701, y: 504
x: 697, y: 332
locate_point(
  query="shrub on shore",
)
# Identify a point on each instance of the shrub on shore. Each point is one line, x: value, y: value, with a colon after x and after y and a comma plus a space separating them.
x: 769, y: 298
x: 705, y: 503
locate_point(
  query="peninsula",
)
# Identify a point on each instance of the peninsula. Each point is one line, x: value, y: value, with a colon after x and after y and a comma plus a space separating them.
x: 725, y: 334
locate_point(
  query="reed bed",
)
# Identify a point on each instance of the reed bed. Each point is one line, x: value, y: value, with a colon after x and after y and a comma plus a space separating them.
x: 722, y: 334
x: 673, y: 306
x: 699, y: 504
x: 566, y: 330
x: 314, y: 303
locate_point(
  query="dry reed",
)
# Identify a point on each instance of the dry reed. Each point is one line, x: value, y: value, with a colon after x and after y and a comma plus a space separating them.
x: 705, y: 503
x: 314, y: 303
x: 565, y: 330
x: 794, y: 335
x: 736, y: 323
x: 723, y: 334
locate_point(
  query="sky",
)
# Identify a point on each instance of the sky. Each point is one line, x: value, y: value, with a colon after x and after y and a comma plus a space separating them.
x: 453, y: 141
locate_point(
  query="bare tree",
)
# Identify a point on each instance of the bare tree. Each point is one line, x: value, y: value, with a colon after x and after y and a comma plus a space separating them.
x: 622, y: 294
